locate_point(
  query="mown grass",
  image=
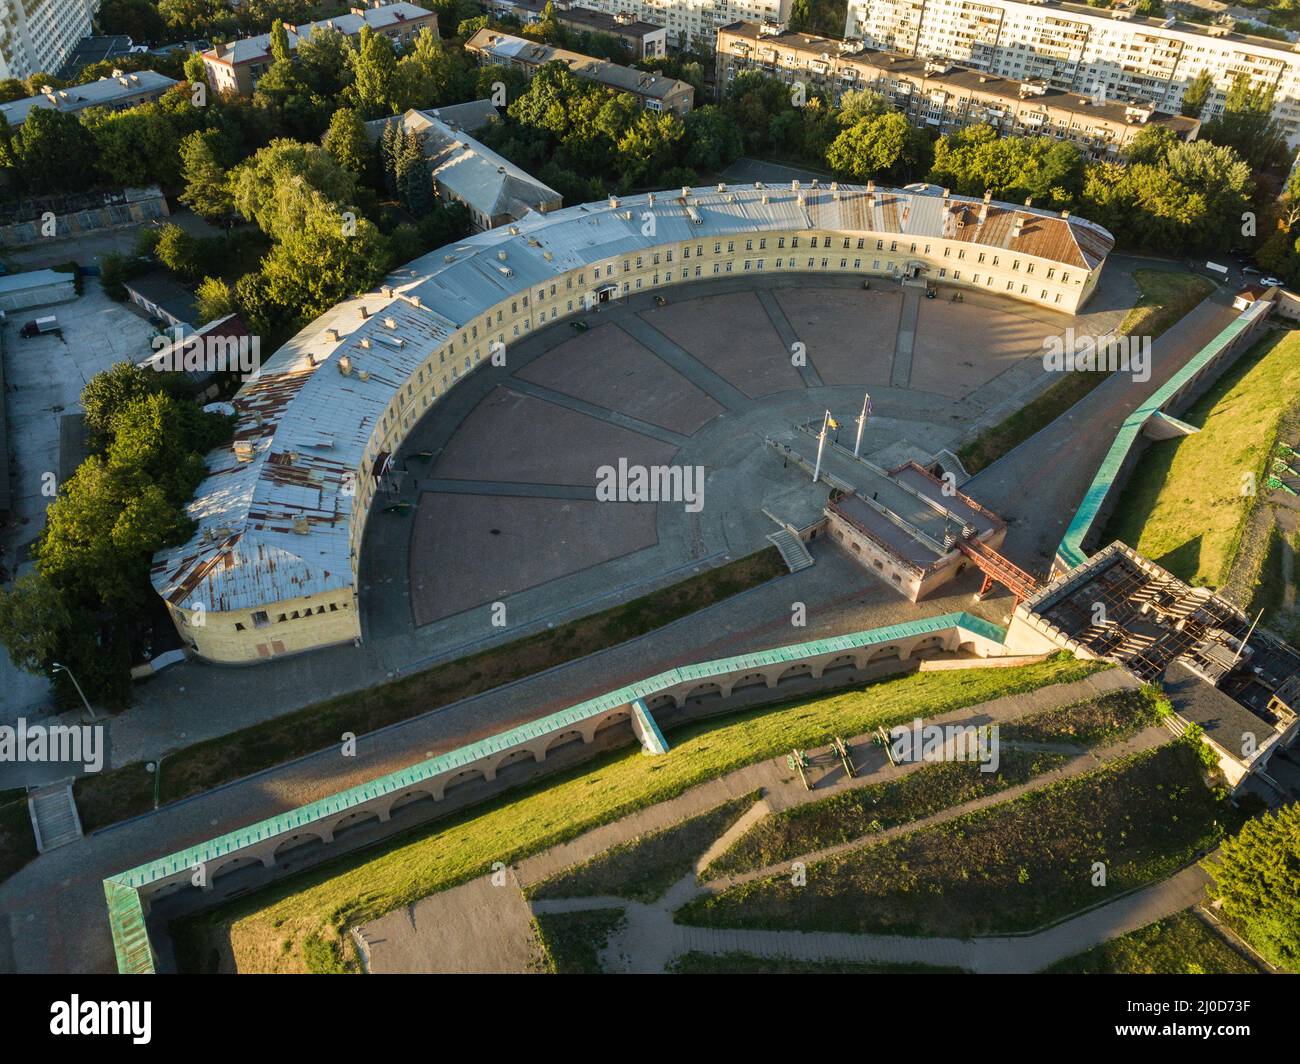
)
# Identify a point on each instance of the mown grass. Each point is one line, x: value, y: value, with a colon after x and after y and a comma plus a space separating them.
x: 265, y: 932
x: 747, y: 964
x: 864, y: 811
x: 112, y: 796
x: 643, y: 868
x: 1182, y: 944
x: 1013, y: 867
x: 1166, y: 297
x: 1188, y: 499
x: 571, y: 942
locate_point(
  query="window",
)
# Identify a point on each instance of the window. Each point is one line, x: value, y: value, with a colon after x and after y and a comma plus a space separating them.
x: 261, y: 619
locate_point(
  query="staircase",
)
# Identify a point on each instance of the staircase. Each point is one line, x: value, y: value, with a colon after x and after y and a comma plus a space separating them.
x: 54, y: 816
x: 793, y: 552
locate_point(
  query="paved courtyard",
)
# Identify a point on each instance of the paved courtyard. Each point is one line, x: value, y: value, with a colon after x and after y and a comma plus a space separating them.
x: 505, y: 481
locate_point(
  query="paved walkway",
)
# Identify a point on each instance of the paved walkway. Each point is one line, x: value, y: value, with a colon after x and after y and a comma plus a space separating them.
x: 650, y: 940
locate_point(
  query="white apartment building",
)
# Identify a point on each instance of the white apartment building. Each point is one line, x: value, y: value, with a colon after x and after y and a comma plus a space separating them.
x: 1104, y: 54
x: 37, y: 36
x: 695, y: 22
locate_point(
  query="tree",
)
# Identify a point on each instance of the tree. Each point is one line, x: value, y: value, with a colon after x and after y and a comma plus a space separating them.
x: 412, y: 178
x: 325, y: 59
x: 431, y: 75
x: 319, y: 261
x: 108, y: 392
x: 1247, y: 124
x: 346, y: 141
x: 374, y: 74
x: 712, y: 140
x: 138, y: 146
x: 207, y: 184
x: 181, y: 252
x: 214, y: 299
x: 1196, y: 93
x: 53, y: 151
x: 801, y: 16
x: 137, y: 19
x: 280, y: 43
x: 1257, y: 882
x: 264, y: 187
x: 886, y: 147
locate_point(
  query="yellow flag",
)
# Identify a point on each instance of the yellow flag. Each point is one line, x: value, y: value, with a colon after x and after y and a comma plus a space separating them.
x: 832, y: 423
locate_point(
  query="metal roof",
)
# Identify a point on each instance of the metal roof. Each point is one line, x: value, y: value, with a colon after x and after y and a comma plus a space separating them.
x: 251, y: 49
x: 489, y: 183
x: 612, y: 75
x: 246, y: 552
x: 101, y: 93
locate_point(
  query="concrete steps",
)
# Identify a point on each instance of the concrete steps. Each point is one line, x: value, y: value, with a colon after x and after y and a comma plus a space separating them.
x: 54, y: 816
x: 793, y: 552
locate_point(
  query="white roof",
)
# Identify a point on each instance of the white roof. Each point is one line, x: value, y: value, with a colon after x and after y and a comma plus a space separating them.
x: 308, y: 425
x: 99, y: 93
x: 251, y: 49
x: 22, y: 282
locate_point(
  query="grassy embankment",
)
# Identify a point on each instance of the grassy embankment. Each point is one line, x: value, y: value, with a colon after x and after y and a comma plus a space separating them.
x: 266, y: 932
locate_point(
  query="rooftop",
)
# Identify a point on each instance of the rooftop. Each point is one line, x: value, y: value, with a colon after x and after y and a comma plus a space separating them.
x: 488, y: 182
x: 101, y: 93
x: 276, y: 526
x: 964, y: 78
x: 507, y: 47
x: 254, y: 49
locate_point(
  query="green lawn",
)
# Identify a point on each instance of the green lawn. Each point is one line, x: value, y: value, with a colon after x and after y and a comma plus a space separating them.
x: 265, y: 932
x: 1166, y: 297
x: 748, y: 964
x: 1184, y: 505
x: 1182, y: 944
x: 571, y: 942
x: 108, y: 797
x: 1013, y: 867
x: 647, y: 866
x: 860, y: 812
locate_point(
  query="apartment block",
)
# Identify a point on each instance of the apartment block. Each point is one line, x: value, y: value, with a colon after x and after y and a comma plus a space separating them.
x: 1113, y: 55
x: 695, y: 23
x: 644, y: 40
x: 938, y: 94
x: 236, y: 67
x: 656, y: 92
x: 38, y: 36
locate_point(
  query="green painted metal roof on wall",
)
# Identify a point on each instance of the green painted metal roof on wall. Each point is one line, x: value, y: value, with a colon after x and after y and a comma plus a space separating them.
x: 1071, y: 550
x: 126, y: 915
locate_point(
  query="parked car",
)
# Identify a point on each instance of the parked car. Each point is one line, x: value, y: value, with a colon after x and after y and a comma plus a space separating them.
x: 578, y: 326
x: 1270, y: 282
x: 660, y: 301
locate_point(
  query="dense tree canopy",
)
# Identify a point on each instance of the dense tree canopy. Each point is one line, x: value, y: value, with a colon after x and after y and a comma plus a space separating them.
x: 1257, y: 881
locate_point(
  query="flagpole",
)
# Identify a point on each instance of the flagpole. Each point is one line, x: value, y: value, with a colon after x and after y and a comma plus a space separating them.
x: 862, y: 421
x: 821, y: 442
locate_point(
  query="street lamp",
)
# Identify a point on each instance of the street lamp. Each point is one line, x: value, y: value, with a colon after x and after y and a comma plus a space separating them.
x: 63, y: 668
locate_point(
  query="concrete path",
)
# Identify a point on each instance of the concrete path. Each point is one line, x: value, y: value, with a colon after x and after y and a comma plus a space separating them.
x: 650, y: 939
x: 900, y: 373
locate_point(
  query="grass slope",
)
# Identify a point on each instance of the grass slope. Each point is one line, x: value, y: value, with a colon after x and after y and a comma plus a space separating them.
x: 571, y: 942
x: 648, y: 865
x: 265, y: 932
x: 1184, y: 505
x: 1014, y: 867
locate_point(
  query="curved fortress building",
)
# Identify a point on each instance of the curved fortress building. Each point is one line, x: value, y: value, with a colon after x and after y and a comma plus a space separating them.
x: 272, y: 567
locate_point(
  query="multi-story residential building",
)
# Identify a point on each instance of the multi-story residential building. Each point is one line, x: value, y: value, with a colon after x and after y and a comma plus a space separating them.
x: 937, y: 94
x: 236, y: 67
x: 492, y: 188
x: 37, y: 36
x: 1081, y: 49
x: 644, y: 40
x: 656, y: 92
x: 695, y: 23
x: 115, y: 93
